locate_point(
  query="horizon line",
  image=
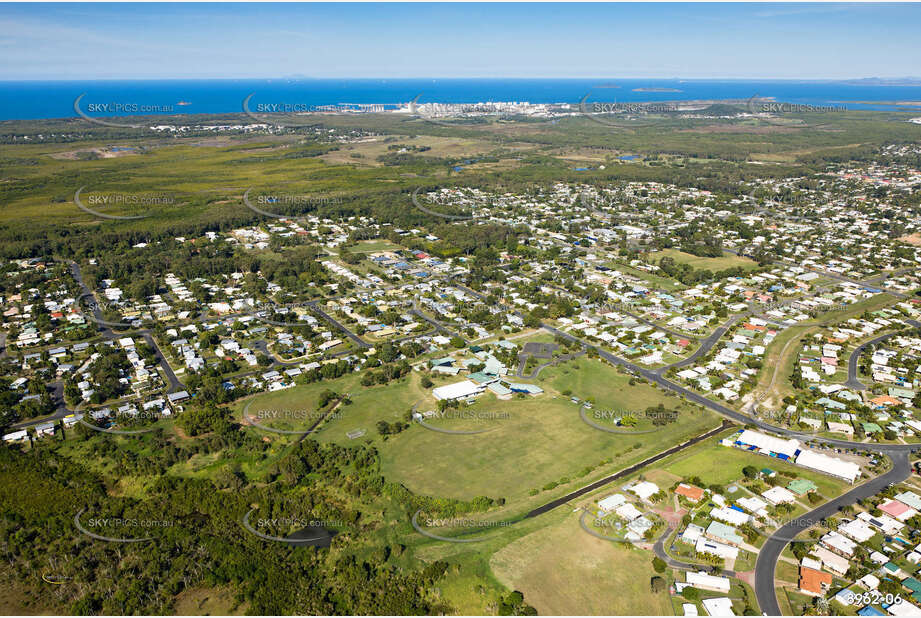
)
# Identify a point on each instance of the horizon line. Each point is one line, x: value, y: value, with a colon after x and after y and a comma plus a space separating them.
x: 311, y: 78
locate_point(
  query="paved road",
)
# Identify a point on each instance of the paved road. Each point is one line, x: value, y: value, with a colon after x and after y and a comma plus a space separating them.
x: 852, y: 380
x: 835, y: 276
x: 437, y: 324
x: 626, y: 471
x: 659, y: 549
x: 620, y: 308
x: 879, y: 279
x: 775, y: 544
x: 348, y: 333
x: 719, y: 408
x: 656, y: 377
x: 706, y: 346
x: 108, y: 333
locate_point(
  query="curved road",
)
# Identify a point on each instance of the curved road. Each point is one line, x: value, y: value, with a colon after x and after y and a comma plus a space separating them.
x: 719, y: 408
x: 770, y: 552
x: 706, y: 345
x: 852, y: 380
x: 659, y: 549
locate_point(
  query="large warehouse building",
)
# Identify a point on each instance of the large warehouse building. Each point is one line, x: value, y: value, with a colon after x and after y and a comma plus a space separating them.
x: 791, y: 450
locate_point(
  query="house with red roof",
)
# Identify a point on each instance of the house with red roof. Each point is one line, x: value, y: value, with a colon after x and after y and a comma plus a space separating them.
x: 814, y: 583
x: 691, y: 492
x: 898, y: 510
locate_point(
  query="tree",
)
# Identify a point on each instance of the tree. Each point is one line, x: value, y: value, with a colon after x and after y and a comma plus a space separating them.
x: 750, y: 472
x: 887, y: 586
x: 691, y: 594
x: 657, y: 584
x: 658, y: 565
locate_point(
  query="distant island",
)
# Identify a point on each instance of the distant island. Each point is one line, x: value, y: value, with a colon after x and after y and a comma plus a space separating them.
x: 884, y: 81
x: 898, y: 103
x: 656, y: 90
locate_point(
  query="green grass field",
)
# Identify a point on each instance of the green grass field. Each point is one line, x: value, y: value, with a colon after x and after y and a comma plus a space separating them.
x: 543, y: 439
x: 564, y: 571
x: 711, y: 264
x: 722, y: 465
x: 528, y: 443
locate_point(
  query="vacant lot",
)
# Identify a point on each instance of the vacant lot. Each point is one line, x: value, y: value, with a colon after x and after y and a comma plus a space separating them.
x: 711, y: 264
x: 782, y: 354
x: 562, y: 571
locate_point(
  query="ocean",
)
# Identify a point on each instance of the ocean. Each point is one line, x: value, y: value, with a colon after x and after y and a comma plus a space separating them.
x: 56, y: 99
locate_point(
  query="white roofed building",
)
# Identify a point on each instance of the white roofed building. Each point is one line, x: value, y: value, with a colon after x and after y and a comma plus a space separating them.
x: 769, y: 445
x: 458, y: 390
x: 833, y: 466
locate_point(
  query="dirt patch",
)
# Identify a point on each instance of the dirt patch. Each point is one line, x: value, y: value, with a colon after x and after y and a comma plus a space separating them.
x: 912, y: 239
x: 208, y: 602
x: 95, y: 153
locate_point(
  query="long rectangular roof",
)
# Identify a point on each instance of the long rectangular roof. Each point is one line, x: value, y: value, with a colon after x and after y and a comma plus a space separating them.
x: 830, y: 465
x: 769, y: 443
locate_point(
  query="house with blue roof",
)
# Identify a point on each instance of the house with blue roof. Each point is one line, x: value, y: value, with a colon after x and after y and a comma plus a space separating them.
x: 831, y: 404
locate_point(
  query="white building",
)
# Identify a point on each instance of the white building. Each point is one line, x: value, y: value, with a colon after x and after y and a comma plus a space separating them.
x: 718, y: 606
x: 833, y: 466
x: 458, y: 390
x: 705, y: 581
x: 611, y: 502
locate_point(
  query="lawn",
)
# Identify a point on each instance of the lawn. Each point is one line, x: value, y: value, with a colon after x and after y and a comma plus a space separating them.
x: 652, y: 279
x: 605, y: 386
x: 561, y: 570
x: 722, y: 465
x: 530, y: 442
x: 208, y: 602
x: 787, y: 572
x: 389, y: 402
x: 372, y: 246
x: 711, y: 264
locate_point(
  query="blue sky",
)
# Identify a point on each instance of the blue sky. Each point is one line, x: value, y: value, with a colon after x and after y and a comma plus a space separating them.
x: 144, y: 41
